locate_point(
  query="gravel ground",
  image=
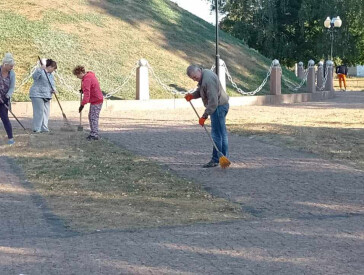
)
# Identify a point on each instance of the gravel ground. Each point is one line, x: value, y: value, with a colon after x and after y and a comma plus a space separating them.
x: 305, y: 212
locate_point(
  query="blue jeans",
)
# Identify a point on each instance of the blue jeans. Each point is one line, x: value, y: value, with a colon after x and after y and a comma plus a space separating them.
x: 219, y: 132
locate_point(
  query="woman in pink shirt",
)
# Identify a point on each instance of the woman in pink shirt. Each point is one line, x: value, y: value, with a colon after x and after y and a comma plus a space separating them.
x: 92, y: 94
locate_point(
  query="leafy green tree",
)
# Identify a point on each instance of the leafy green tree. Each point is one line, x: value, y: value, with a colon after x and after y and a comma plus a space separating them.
x: 292, y: 30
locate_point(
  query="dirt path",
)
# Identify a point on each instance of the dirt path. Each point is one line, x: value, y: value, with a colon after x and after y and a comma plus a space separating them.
x: 306, y: 213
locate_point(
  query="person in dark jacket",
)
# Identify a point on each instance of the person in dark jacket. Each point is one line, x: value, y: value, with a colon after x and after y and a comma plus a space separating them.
x: 92, y: 94
x: 216, y: 102
x: 342, y: 72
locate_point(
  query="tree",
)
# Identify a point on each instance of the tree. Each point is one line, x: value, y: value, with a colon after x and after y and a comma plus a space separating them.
x: 292, y: 30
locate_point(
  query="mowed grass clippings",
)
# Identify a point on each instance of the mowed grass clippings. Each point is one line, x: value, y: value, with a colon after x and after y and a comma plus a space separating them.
x: 98, y: 186
x: 333, y: 133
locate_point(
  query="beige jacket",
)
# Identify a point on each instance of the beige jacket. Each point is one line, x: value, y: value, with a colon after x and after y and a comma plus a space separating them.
x: 211, y: 92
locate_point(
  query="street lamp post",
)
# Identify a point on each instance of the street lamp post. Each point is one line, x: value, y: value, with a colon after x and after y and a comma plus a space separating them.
x: 217, y: 38
x: 331, y: 24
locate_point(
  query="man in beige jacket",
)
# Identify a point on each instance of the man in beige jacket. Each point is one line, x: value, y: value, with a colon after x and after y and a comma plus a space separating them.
x: 216, y: 102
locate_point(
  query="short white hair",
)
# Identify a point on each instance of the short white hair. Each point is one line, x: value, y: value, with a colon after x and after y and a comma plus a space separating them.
x: 192, y: 69
x: 8, y: 59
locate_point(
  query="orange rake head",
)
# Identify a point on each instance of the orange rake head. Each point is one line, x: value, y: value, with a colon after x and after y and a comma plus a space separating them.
x: 224, y: 162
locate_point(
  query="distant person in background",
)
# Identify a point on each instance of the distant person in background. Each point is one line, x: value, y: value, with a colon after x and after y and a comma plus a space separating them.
x: 342, y: 72
x: 41, y: 93
x: 92, y: 94
x: 7, y: 85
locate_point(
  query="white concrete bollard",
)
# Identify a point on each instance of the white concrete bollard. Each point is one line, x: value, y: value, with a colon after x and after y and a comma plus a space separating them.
x: 300, y: 70
x: 222, y: 74
x: 142, y: 80
x: 330, y: 76
x: 311, y: 77
x: 296, y: 69
x: 276, y: 79
x: 320, y: 75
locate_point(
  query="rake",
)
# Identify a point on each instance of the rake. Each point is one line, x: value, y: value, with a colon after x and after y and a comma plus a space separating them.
x: 59, y: 103
x: 7, y: 107
x: 80, y: 127
x: 223, y: 160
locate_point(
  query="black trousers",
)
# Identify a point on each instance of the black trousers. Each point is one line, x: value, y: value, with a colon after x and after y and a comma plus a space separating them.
x: 4, y: 115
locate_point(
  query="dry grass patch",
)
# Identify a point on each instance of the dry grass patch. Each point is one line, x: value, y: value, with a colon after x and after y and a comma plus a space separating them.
x: 97, y: 185
x: 352, y: 84
x: 336, y: 133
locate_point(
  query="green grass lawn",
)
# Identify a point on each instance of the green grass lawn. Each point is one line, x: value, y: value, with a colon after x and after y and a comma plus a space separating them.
x: 109, y: 37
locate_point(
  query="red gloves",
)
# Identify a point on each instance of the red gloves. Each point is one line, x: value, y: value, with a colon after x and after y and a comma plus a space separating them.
x: 188, y: 97
x: 201, y: 121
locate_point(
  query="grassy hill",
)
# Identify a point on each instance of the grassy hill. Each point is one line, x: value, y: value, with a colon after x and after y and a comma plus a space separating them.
x: 109, y: 37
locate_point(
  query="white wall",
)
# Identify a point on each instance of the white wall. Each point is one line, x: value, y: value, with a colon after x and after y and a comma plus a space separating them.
x: 360, y: 70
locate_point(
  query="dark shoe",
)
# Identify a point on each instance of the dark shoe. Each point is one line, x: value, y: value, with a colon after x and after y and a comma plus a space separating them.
x: 210, y: 164
x: 92, y: 138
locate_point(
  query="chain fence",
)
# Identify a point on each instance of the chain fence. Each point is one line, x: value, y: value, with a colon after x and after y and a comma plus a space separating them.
x: 163, y: 85
x: 257, y: 90
x: 291, y: 85
x: 26, y: 79
x: 239, y: 90
x: 63, y: 82
x: 126, y: 80
x: 324, y: 81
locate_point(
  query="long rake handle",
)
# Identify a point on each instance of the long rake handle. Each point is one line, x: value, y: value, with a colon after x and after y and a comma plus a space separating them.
x: 50, y: 84
x: 207, y: 132
x: 59, y: 104
x: 80, y: 112
x: 7, y: 107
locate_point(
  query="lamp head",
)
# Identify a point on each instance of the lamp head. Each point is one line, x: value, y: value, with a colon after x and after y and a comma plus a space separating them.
x: 327, y: 23
x: 337, y: 22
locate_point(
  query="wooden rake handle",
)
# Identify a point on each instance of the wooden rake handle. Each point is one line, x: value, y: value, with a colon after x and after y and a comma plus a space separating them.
x: 50, y: 84
x: 7, y: 107
x: 80, y: 105
x: 207, y: 132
